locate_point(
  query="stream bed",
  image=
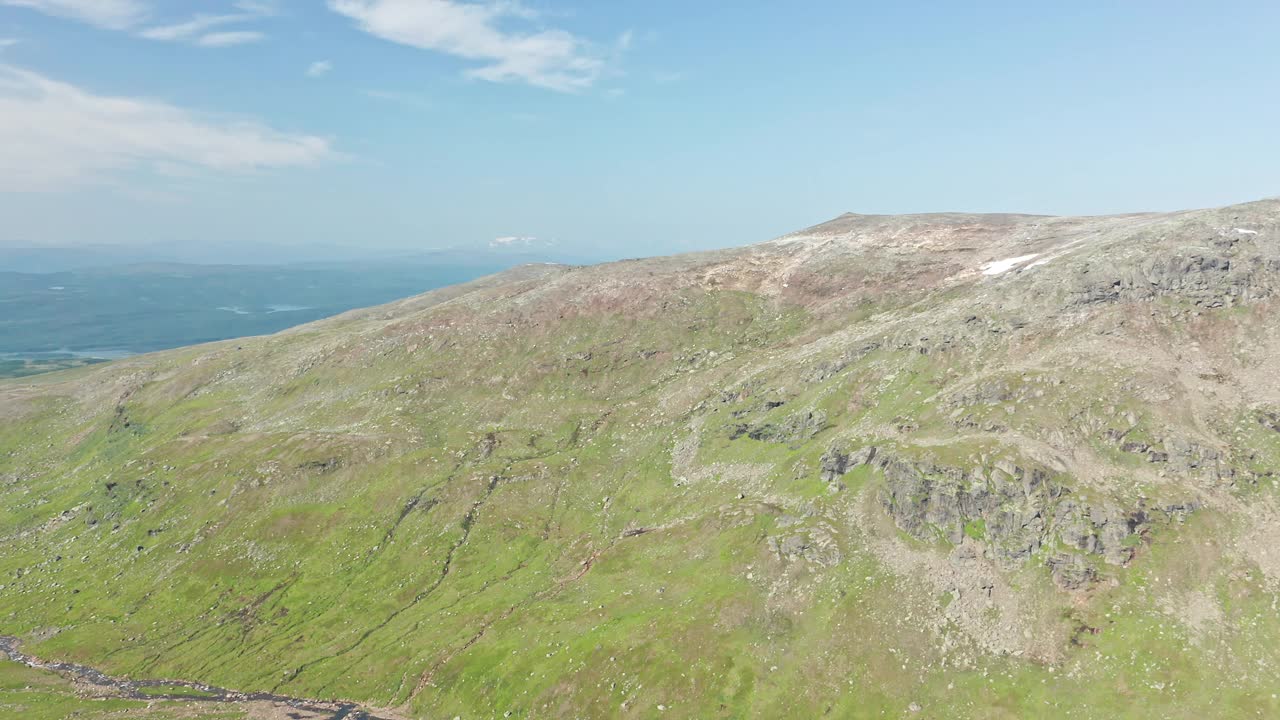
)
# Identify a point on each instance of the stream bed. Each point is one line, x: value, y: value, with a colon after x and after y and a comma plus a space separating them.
x: 180, y: 689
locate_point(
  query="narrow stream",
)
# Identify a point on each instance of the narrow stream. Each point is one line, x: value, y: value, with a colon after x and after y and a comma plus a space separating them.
x: 195, y: 692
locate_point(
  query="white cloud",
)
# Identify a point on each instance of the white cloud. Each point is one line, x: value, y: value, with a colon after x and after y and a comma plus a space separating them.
x: 54, y: 135
x: 260, y: 8
x: 112, y: 14
x: 194, y: 26
x: 319, y: 68
x: 198, y: 29
x: 8, y: 42
x: 227, y: 39
x: 129, y: 15
x: 548, y: 58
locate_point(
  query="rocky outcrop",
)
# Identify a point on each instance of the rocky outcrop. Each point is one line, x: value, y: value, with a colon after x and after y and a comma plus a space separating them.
x: 830, y: 369
x: 971, y: 332
x: 1223, y: 274
x: 835, y: 462
x: 1269, y: 420
x: 1180, y: 456
x: 1101, y: 529
x: 1016, y: 511
x: 1006, y: 504
x: 796, y: 428
x: 992, y: 391
x: 1188, y: 458
x: 1071, y: 572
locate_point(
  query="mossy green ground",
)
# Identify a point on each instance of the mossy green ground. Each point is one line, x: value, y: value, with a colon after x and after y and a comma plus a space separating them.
x: 490, y: 520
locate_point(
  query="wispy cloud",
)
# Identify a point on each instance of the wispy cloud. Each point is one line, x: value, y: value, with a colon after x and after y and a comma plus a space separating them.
x: 319, y: 68
x: 227, y: 39
x: 547, y: 58
x: 8, y: 42
x: 54, y: 135
x: 133, y: 16
x: 111, y: 14
x: 260, y: 8
x: 191, y: 28
x: 199, y: 29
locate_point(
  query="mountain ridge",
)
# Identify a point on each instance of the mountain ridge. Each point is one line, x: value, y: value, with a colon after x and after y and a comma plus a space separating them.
x: 961, y: 466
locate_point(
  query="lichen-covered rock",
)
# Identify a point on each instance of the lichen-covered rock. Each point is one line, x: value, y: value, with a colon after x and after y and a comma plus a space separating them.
x: 1099, y: 529
x: 796, y: 428
x: 1269, y: 420
x: 1009, y: 502
x: 1182, y: 457
x: 1191, y: 459
x: 830, y: 369
x: 1213, y: 277
x: 835, y: 463
x: 1071, y: 572
x: 1017, y: 510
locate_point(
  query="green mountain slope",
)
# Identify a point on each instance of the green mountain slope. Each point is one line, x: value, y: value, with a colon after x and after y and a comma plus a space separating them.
x: 936, y: 466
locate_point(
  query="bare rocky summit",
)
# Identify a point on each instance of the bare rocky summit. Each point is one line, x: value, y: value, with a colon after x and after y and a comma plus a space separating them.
x: 929, y: 466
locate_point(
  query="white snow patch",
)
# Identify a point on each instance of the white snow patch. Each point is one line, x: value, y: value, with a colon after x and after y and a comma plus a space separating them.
x: 1243, y: 231
x: 996, y: 267
x: 794, y: 239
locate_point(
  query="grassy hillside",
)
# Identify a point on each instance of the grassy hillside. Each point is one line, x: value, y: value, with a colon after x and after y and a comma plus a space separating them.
x: 847, y: 473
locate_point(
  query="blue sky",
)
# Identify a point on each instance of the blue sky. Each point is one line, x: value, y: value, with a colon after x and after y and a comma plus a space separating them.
x: 623, y: 128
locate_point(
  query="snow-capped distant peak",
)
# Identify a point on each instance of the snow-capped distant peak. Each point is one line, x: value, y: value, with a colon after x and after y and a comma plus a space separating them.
x: 519, y: 241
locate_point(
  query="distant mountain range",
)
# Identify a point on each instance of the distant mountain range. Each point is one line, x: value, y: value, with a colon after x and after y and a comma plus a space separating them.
x: 64, y: 259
